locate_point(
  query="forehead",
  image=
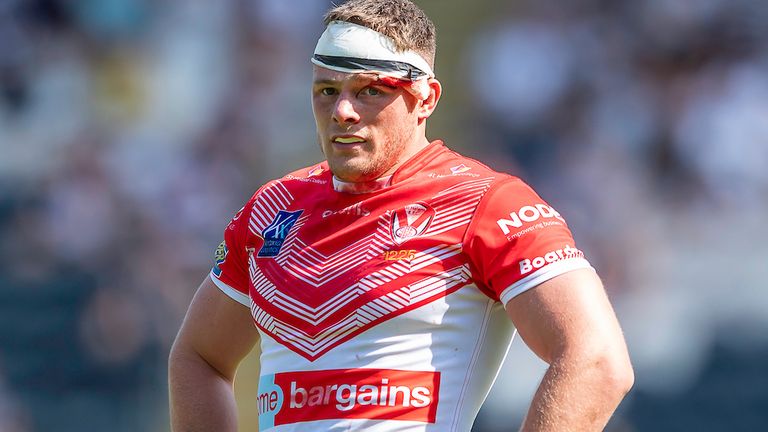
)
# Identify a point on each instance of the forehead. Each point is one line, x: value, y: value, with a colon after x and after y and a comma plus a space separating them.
x: 323, y: 75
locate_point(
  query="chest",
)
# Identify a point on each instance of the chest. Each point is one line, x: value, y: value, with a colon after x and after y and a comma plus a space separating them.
x: 324, y: 269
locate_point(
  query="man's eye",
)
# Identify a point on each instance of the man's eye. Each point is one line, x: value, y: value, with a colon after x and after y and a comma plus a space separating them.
x: 371, y: 91
x: 328, y: 91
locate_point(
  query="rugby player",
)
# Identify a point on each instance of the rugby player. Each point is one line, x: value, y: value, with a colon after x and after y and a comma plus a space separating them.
x: 385, y: 284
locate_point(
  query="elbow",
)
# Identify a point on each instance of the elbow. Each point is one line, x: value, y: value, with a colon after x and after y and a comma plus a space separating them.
x: 618, y: 374
x: 607, y: 370
x: 181, y: 358
x: 624, y: 379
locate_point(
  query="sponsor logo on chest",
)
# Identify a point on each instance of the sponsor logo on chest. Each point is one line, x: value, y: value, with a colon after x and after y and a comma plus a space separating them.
x: 380, y: 394
x: 353, y: 210
x: 275, y: 233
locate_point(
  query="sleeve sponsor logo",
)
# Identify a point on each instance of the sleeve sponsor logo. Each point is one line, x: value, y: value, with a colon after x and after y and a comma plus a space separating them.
x: 220, y: 256
x: 411, y: 221
x: 382, y: 394
x: 527, y: 214
x: 528, y: 265
x: 275, y: 233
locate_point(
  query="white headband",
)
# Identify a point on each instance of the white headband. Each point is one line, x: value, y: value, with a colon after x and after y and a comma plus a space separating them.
x: 352, y: 48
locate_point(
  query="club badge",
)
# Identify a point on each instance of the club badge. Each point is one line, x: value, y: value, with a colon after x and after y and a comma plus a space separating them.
x: 411, y: 221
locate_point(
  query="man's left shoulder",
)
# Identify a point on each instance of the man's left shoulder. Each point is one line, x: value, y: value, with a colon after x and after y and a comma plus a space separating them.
x: 452, y: 164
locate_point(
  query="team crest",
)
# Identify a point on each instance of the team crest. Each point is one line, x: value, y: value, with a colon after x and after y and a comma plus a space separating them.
x: 411, y: 221
x: 275, y: 233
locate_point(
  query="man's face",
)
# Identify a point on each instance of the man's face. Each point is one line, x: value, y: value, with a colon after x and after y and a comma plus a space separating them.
x: 364, y: 127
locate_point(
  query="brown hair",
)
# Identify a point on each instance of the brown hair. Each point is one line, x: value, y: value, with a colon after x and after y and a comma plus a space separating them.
x: 404, y: 22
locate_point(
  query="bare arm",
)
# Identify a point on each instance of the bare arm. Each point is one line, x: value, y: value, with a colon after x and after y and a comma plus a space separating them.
x: 569, y: 323
x: 215, y: 336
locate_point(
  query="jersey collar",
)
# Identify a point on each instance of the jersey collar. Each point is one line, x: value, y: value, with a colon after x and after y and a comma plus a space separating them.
x: 412, y: 166
x: 418, y: 161
x: 361, y: 187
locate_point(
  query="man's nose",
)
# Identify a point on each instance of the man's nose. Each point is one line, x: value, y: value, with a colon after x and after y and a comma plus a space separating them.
x: 344, y: 112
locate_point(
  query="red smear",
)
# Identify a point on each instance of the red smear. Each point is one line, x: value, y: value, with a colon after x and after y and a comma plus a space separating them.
x: 405, y: 84
x: 394, y: 82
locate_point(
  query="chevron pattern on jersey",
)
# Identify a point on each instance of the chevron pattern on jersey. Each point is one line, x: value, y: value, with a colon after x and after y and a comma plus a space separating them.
x: 453, y: 208
x: 332, y: 307
x: 316, y: 315
x: 311, y: 266
x: 456, y: 205
x: 312, y: 346
x: 273, y: 198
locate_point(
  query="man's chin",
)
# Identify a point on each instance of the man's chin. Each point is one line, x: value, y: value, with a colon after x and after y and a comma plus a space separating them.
x: 351, y: 176
x: 348, y: 171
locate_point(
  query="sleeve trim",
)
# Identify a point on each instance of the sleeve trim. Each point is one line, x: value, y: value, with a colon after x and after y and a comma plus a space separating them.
x: 542, y: 275
x: 231, y: 292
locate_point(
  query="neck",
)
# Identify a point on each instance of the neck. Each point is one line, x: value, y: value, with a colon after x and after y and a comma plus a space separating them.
x: 408, y: 153
x: 361, y: 187
x: 383, y: 180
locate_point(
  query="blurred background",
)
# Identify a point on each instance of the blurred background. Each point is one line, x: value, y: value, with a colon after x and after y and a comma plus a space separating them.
x: 131, y: 131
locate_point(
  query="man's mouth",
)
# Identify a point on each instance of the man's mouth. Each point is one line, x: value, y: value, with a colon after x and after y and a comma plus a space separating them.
x: 348, y: 139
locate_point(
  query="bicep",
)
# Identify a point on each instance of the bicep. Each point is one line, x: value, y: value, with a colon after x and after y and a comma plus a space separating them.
x: 218, y: 329
x: 567, y: 314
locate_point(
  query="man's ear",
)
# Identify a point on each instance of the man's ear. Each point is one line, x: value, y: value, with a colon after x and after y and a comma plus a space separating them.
x: 428, y: 105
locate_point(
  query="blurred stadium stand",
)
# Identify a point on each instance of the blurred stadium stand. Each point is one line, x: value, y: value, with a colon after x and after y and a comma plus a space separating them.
x: 131, y: 130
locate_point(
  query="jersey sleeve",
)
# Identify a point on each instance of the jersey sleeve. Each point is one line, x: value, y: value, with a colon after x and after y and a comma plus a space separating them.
x: 517, y: 241
x: 230, y: 271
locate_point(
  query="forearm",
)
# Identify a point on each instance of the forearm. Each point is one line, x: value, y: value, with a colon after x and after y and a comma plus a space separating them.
x: 578, y: 395
x: 201, y: 399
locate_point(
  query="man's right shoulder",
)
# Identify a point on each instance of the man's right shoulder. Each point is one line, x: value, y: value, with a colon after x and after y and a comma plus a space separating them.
x: 311, y: 176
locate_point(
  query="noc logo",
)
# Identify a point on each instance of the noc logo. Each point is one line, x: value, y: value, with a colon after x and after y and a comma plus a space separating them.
x: 275, y: 233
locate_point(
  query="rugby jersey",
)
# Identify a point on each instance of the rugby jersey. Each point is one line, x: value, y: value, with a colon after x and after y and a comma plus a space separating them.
x: 384, y: 311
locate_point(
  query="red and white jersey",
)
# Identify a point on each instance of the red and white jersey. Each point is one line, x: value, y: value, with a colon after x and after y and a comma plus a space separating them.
x: 383, y: 311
